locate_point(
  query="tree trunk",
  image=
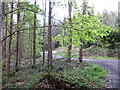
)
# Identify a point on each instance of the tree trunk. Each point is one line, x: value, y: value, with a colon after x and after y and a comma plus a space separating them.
x: 49, y: 37
x: 34, y: 39
x: 10, y: 41
x: 5, y: 42
x: 1, y: 34
x: 44, y: 29
x: 3, y: 9
x: 1, y: 31
x: 81, y: 46
x: 70, y: 36
x: 18, y: 40
x: 80, y: 53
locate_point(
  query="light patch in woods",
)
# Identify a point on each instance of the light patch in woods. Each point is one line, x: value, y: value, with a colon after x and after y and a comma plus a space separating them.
x: 54, y: 51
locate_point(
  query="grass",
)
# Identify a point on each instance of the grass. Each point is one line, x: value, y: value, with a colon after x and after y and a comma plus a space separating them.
x: 72, y: 75
x: 107, y: 58
x: 85, y: 74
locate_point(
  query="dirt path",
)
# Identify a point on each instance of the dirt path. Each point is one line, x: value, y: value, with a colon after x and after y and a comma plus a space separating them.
x: 110, y: 65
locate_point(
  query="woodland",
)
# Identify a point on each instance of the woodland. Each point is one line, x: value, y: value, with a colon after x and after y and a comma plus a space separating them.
x: 38, y: 50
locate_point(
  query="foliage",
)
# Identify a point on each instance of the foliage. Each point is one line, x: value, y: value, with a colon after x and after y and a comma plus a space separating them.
x: 85, y: 75
x: 88, y: 76
x: 112, y: 41
x: 87, y: 28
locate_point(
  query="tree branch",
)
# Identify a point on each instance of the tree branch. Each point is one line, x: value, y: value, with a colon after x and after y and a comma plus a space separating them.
x: 24, y: 30
x: 25, y: 9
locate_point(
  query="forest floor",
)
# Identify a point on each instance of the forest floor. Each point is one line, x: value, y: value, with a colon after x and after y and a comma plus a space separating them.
x: 110, y: 65
x: 63, y: 75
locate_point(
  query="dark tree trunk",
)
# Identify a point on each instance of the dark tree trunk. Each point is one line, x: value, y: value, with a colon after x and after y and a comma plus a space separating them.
x: 44, y: 29
x: 10, y: 41
x: 34, y: 39
x: 49, y: 37
x: 70, y: 36
x: 3, y: 46
x: 80, y: 52
x: 81, y: 46
x: 1, y: 34
x: 1, y: 31
x: 5, y: 42
x: 18, y: 41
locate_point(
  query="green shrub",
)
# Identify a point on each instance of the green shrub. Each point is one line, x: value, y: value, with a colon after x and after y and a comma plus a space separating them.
x: 91, y: 76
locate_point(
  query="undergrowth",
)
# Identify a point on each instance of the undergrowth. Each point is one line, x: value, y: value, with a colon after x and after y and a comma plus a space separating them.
x: 63, y: 75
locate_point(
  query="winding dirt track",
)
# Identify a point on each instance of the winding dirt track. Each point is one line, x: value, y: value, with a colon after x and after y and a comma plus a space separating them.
x: 110, y: 65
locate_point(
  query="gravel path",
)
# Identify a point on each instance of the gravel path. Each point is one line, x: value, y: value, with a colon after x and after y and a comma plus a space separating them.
x: 110, y: 65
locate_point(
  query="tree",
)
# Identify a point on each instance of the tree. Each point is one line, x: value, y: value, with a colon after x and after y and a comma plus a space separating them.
x: 34, y: 38
x: 5, y: 31
x: 90, y: 30
x: 70, y: 32
x: 3, y: 10
x: 81, y: 46
x: 49, y: 37
x: 10, y: 41
x: 18, y: 39
x: 1, y: 31
x: 44, y: 29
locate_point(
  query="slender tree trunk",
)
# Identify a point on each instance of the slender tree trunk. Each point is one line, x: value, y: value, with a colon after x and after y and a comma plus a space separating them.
x: 18, y: 42
x: 31, y: 44
x: 44, y: 29
x: 70, y: 36
x: 5, y: 42
x: 81, y: 46
x: 1, y: 34
x: 3, y: 9
x: 22, y: 38
x: 1, y: 31
x: 49, y: 37
x: 10, y: 41
x: 34, y: 39
x: 80, y: 52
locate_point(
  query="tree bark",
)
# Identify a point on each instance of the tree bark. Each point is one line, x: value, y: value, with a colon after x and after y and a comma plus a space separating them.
x: 81, y: 46
x: 10, y: 41
x: 44, y: 29
x: 34, y: 38
x: 80, y: 53
x: 18, y: 40
x: 1, y: 34
x: 49, y: 37
x: 5, y: 42
x: 3, y: 9
x: 1, y: 31
x: 70, y: 36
